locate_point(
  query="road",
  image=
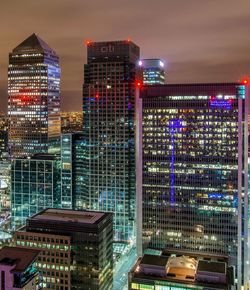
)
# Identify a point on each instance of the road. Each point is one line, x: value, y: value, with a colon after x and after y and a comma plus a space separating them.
x: 122, y: 268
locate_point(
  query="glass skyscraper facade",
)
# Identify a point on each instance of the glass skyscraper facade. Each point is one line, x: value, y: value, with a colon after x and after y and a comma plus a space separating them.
x: 194, y: 183
x: 35, y: 185
x: 108, y: 129
x: 34, y: 99
x: 153, y: 71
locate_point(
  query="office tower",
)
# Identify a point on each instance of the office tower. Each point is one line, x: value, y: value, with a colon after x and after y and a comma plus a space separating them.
x: 18, y: 270
x: 35, y: 185
x: 153, y: 71
x: 3, y: 136
x: 76, y: 248
x: 71, y: 122
x: 34, y: 99
x: 108, y: 128
x: 194, y: 185
x: 180, y: 272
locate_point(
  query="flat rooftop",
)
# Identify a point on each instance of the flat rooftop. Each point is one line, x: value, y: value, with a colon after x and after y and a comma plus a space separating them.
x: 64, y: 215
x: 154, y: 260
x: 210, y: 266
x: 20, y: 257
x: 183, y: 269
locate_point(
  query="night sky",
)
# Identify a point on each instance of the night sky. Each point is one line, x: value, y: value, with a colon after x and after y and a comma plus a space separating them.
x: 200, y: 40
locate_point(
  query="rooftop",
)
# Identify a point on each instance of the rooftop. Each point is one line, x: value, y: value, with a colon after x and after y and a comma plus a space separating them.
x: 64, y: 215
x: 33, y: 44
x: 154, y: 260
x: 181, y: 269
x: 210, y: 266
x: 20, y: 257
x: 44, y: 156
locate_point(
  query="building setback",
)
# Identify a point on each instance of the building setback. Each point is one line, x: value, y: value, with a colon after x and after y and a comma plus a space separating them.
x: 34, y: 99
x: 109, y: 147
x: 194, y: 183
x: 77, y: 252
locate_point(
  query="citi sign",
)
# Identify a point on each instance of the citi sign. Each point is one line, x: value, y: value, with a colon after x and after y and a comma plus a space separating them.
x: 108, y: 49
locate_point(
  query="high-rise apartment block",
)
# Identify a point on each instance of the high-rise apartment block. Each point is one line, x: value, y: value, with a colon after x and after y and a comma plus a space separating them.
x: 153, y: 71
x: 109, y: 139
x: 35, y: 185
x: 18, y: 270
x: 76, y: 247
x: 194, y: 183
x: 34, y: 99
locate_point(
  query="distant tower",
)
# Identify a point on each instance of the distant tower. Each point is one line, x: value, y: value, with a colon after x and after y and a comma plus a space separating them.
x: 34, y: 99
x: 108, y: 128
x: 153, y: 71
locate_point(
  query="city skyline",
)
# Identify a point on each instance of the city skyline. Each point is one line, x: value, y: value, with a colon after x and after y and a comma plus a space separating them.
x: 124, y: 145
x: 199, y: 42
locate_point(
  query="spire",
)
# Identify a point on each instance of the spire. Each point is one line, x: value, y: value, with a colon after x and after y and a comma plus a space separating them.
x: 33, y: 43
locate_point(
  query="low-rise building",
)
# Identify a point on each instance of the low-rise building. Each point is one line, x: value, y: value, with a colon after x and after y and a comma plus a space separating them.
x: 177, y: 272
x: 76, y: 247
x: 17, y: 268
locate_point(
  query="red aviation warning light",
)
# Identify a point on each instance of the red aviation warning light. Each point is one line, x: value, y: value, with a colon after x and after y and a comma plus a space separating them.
x: 138, y: 84
x: 88, y: 42
x: 245, y: 80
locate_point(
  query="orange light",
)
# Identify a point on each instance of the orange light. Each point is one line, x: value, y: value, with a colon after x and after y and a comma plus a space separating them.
x: 245, y: 82
x: 88, y: 42
x: 129, y: 39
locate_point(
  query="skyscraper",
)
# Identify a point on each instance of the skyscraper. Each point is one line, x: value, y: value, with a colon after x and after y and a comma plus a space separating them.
x: 108, y: 128
x: 76, y: 246
x: 194, y: 193
x: 153, y: 71
x: 34, y: 98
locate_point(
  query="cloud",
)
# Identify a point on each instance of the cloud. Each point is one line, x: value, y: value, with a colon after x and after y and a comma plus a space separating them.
x: 200, y: 40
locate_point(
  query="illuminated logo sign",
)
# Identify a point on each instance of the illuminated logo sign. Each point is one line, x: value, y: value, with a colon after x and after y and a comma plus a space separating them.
x: 108, y: 49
